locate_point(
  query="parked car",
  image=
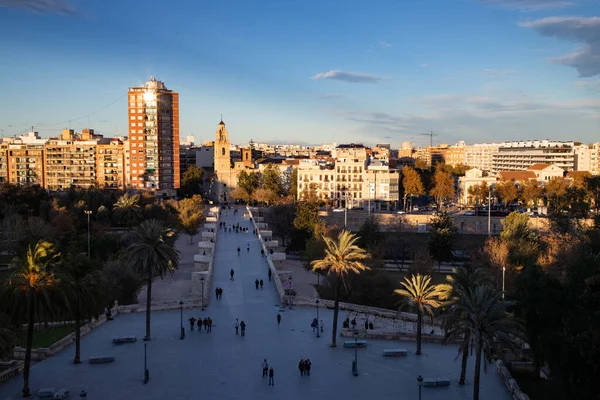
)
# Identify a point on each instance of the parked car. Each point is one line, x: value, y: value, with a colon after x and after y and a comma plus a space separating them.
x: 61, y: 394
x: 338, y: 210
x: 400, y: 212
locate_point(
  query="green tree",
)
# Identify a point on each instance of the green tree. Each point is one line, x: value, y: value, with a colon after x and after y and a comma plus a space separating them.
x: 307, y: 216
x: 190, y: 215
x: 483, y: 317
x: 521, y: 241
x: 443, y: 188
x: 281, y: 219
x: 462, y: 280
x: 127, y: 210
x: 507, y: 191
x: 84, y: 289
x: 341, y: 258
x: 271, y: 180
x: 191, y: 182
x: 592, y: 185
x: 441, y: 238
x: 531, y: 192
x: 370, y: 237
x: 30, y: 290
x: 412, y: 184
x: 294, y: 184
x: 7, y: 336
x: 419, y: 293
x: 152, y: 253
x: 248, y: 181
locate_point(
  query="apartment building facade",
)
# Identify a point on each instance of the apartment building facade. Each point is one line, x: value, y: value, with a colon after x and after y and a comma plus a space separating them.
x: 350, y: 179
x: 519, y: 156
x: 153, y: 112
x: 71, y: 160
x: 22, y: 160
x: 587, y: 158
x: 110, y: 163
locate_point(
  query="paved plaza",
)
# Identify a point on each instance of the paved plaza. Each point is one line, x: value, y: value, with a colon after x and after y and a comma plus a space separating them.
x: 221, y: 365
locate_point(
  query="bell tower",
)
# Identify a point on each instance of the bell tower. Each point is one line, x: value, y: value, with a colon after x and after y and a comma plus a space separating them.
x: 222, y: 151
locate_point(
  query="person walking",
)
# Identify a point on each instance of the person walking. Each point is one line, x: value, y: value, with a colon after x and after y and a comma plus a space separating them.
x: 248, y: 247
x: 238, y: 250
x: 192, y: 323
x: 205, y: 322
x: 315, y: 324
x: 199, y: 323
x: 265, y: 368
x: 217, y: 293
x: 243, y: 328
x: 307, y: 365
x: 278, y: 319
x: 209, y: 324
x: 271, y: 377
x: 321, y: 326
x: 301, y: 367
x: 261, y: 283
x: 262, y: 252
x: 237, y: 326
x: 256, y: 284
x: 231, y: 273
x: 269, y: 274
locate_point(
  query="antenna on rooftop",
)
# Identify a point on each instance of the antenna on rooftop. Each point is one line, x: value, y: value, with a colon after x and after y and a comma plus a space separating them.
x: 431, y: 135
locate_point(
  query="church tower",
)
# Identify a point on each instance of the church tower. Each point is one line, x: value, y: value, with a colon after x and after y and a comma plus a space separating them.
x: 226, y: 178
x: 222, y: 150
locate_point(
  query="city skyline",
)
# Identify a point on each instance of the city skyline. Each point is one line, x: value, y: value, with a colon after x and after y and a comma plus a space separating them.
x: 312, y: 72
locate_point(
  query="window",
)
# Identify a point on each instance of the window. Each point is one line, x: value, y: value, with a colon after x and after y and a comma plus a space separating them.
x: 223, y: 151
x: 133, y: 124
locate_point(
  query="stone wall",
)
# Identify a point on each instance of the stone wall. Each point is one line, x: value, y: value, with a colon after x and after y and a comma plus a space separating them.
x: 510, y: 382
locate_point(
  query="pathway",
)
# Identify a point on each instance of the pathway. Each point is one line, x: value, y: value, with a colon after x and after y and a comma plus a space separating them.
x: 225, y: 366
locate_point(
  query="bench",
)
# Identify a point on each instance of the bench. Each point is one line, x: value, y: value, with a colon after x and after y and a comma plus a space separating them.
x: 352, y: 344
x: 124, y: 339
x: 394, y: 352
x: 46, y: 392
x: 436, y: 382
x: 101, y: 360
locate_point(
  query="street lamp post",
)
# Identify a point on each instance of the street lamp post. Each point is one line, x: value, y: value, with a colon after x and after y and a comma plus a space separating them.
x: 202, y: 299
x: 490, y: 213
x: 146, y: 372
x: 317, y: 303
x: 355, y: 363
x: 88, y: 213
x: 182, y: 328
x: 420, y: 383
x: 291, y: 289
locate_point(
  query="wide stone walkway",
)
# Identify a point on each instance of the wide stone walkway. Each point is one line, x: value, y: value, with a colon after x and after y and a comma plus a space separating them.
x: 221, y: 365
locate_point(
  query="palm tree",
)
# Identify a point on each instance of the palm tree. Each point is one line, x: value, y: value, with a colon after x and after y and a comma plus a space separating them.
x: 461, y: 281
x: 84, y: 292
x: 341, y: 258
x: 31, y: 287
x: 487, y: 323
x: 418, y: 292
x: 153, y: 253
x: 127, y: 210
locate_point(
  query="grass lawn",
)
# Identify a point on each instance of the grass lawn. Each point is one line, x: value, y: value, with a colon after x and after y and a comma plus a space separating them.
x: 46, y: 337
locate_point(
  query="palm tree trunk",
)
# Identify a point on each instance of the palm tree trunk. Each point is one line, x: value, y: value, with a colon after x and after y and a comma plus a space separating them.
x: 419, y: 323
x: 77, y: 359
x: 465, y: 357
x: 336, y: 310
x: 148, y: 303
x: 29, y: 345
x: 477, y: 373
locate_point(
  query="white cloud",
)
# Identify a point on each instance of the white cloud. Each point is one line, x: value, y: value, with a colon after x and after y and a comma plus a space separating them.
x: 350, y: 77
x: 585, y: 59
x: 384, y: 44
x: 528, y: 5
x: 42, y: 6
x: 477, y: 118
x: 329, y: 96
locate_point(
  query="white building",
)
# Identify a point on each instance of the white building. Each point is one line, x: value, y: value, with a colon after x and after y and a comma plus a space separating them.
x: 587, y: 158
x: 518, y: 156
x: 480, y: 155
x: 473, y: 177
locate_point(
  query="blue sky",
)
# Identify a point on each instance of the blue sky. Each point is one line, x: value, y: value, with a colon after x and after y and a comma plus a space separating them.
x: 309, y: 71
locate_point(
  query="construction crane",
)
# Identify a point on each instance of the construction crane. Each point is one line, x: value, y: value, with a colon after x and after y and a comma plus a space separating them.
x: 431, y: 135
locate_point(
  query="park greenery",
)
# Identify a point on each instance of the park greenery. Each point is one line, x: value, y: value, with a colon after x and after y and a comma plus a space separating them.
x: 55, y: 274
